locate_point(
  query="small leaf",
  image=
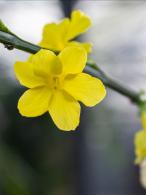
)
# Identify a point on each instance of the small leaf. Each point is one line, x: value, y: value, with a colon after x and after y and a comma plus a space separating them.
x: 3, y: 28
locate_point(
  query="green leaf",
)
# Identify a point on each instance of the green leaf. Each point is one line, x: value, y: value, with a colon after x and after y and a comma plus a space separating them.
x: 3, y: 28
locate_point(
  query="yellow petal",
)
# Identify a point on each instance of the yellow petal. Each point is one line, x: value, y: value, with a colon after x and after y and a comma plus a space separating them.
x: 86, y: 46
x: 25, y: 75
x: 73, y: 59
x: 143, y: 120
x: 140, y: 146
x: 54, y: 35
x: 46, y: 63
x: 79, y: 24
x: 85, y: 88
x: 34, y: 102
x: 65, y: 111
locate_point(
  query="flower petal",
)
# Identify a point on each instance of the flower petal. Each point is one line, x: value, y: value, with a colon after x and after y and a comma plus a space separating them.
x: 65, y: 111
x: 143, y: 119
x: 140, y: 146
x: 54, y: 35
x: 73, y: 59
x: 79, y: 24
x: 34, y: 102
x: 46, y: 63
x: 85, y: 88
x: 87, y: 46
x: 25, y: 75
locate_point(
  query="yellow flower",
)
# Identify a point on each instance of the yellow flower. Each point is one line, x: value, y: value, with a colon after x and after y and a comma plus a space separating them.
x: 57, y: 36
x: 56, y: 85
x: 140, y: 141
x: 140, y: 146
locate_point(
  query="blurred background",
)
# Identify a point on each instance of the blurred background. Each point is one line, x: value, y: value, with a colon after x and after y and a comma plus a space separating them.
x: 98, y: 158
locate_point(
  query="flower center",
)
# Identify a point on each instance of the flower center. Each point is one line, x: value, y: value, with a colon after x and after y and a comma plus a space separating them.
x: 56, y: 83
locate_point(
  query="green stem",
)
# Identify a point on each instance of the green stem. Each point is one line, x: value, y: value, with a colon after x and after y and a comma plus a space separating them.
x: 94, y: 70
x: 12, y: 41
